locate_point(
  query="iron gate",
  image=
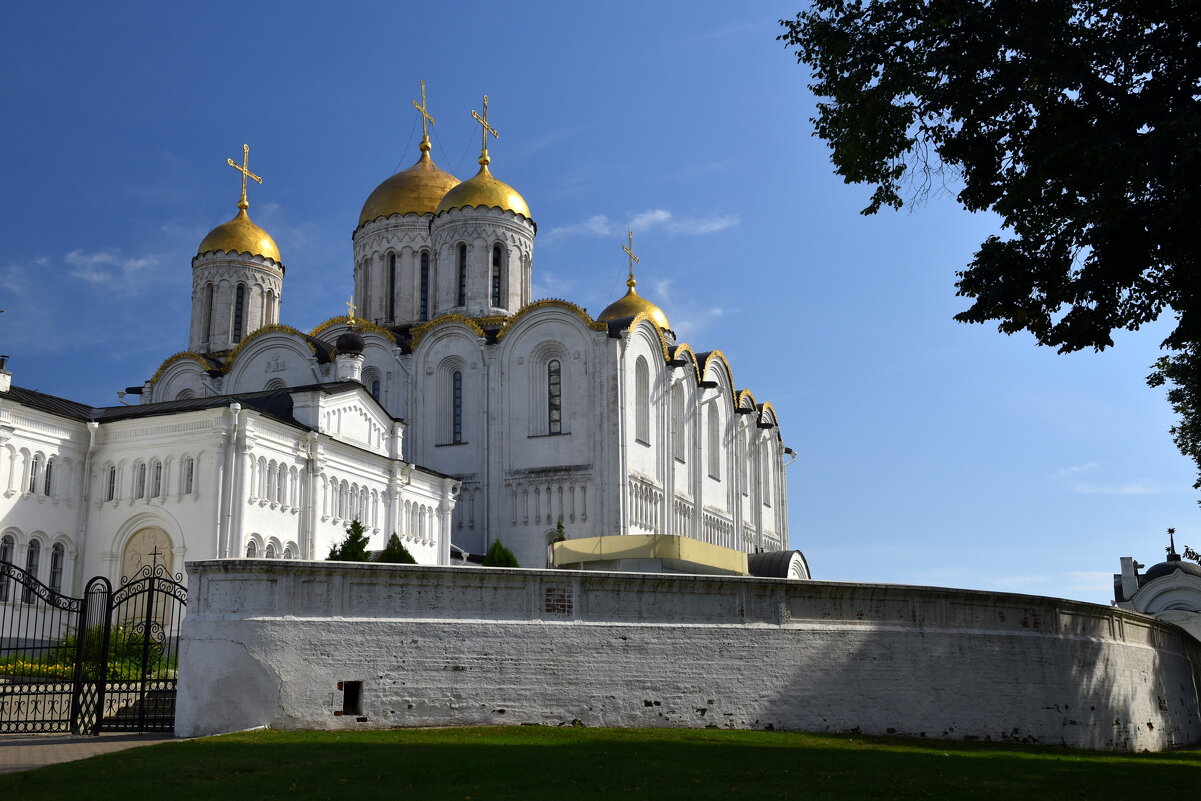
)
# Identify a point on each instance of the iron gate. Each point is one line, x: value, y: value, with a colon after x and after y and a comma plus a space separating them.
x: 103, y: 662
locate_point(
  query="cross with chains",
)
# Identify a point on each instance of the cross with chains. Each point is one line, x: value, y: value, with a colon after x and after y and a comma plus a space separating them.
x: 485, y: 127
x: 629, y: 249
x: 426, y: 119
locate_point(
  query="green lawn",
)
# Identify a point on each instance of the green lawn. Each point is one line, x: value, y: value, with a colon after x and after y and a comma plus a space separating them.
x: 480, y: 764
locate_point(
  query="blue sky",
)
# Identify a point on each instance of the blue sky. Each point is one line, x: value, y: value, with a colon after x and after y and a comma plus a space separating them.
x: 929, y: 452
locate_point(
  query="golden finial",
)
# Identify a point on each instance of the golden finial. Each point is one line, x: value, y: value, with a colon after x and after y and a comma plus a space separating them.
x: 426, y: 120
x: 485, y: 130
x: 629, y: 249
x: 350, y: 307
x: 244, y: 168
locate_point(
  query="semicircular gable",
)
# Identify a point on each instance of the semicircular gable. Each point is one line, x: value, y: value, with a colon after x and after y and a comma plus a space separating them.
x: 203, y: 364
x: 361, y: 325
x: 684, y: 353
x: 767, y: 414
x: 180, y: 374
x: 744, y: 399
x: 717, y: 362
x: 258, y: 333
x: 643, y: 323
x: 437, y: 325
x: 282, y: 355
x: 514, y: 323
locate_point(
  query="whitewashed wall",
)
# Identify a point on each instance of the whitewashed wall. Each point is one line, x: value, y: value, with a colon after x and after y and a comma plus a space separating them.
x: 268, y: 643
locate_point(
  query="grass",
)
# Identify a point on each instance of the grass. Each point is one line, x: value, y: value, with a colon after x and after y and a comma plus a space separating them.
x: 529, y: 763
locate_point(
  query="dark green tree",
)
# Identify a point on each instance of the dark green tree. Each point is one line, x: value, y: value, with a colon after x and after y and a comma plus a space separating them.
x: 1079, y: 123
x: 499, y: 556
x: 396, y: 553
x: 353, y: 548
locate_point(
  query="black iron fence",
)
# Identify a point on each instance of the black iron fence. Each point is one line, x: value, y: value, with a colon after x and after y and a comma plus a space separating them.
x: 103, y: 662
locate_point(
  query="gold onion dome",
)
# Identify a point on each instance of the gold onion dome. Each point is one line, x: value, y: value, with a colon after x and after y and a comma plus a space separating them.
x: 240, y: 235
x: 483, y: 189
x: 416, y: 190
x: 631, y: 304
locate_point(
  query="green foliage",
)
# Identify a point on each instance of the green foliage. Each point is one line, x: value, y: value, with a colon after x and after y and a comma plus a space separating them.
x: 499, y: 556
x: 353, y: 548
x: 1079, y: 123
x: 396, y: 553
x: 560, y: 533
x: 124, y: 657
x: 1182, y: 372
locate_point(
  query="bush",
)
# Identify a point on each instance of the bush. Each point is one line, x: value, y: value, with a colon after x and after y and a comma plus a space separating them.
x: 499, y: 556
x: 353, y: 548
x: 396, y: 553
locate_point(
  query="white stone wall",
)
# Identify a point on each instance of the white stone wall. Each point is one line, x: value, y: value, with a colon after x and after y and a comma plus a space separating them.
x: 268, y: 644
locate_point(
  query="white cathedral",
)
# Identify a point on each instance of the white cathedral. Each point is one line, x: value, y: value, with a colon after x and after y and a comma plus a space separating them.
x: 447, y: 407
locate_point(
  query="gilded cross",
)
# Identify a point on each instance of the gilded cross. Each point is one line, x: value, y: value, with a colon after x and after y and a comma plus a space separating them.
x: 485, y: 127
x: 350, y: 308
x: 629, y: 249
x: 244, y: 168
x: 426, y: 119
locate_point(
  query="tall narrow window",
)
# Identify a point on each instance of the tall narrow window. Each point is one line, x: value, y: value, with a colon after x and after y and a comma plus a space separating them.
x: 462, y: 291
x: 642, y: 402
x: 156, y: 482
x: 375, y: 388
x: 208, y: 312
x: 110, y: 492
x: 48, y: 483
x: 189, y: 470
x: 251, y: 550
x: 56, y: 567
x: 554, y: 397
x: 497, y: 259
x: 457, y: 414
x: 391, y: 287
x: 765, y: 475
x: 289, y: 553
x: 239, y: 312
x: 425, y: 285
x: 33, y: 557
x: 678, y: 446
x: 7, y: 544
x: 139, y: 481
x: 270, y: 552
x: 714, y: 442
x: 35, y: 469
x: 269, y: 316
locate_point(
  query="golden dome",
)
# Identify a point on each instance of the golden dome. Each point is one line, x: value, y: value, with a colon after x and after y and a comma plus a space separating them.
x: 240, y: 235
x: 484, y: 190
x: 631, y: 304
x: 416, y: 190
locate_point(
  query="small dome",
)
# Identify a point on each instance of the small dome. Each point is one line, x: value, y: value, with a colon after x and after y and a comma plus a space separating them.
x: 416, y: 190
x: 1168, y: 568
x: 240, y: 235
x: 485, y: 190
x: 631, y: 304
x: 350, y: 344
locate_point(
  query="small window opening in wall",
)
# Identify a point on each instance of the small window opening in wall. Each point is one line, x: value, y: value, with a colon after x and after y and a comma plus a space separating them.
x: 352, y: 698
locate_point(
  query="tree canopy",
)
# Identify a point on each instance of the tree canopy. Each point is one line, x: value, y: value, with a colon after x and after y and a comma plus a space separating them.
x: 1079, y: 123
x: 395, y: 552
x: 353, y: 548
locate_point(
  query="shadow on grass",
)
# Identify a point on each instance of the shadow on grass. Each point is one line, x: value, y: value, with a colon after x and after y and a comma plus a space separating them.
x: 564, y: 764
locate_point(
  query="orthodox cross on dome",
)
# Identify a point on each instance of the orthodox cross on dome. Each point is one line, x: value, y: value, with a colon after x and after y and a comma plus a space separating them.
x: 350, y: 307
x: 426, y: 119
x: 244, y: 168
x: 485, y: 129
x: 629, y: 249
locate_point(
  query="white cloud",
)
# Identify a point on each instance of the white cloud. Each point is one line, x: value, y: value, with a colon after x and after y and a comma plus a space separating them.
x: 602, y: 225
x: 1076, y: 469
x: 1133, y: 488
x: 107, y: 266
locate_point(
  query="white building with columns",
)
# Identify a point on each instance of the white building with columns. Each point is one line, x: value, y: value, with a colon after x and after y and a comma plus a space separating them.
x: 450, y: 409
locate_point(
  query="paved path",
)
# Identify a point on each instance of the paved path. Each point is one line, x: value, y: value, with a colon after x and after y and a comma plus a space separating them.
x: 27, y: 752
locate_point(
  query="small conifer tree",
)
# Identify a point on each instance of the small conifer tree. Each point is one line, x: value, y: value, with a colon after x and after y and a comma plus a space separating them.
x: 353, y: 548
x: 499, y: 556
x: 396, y: 553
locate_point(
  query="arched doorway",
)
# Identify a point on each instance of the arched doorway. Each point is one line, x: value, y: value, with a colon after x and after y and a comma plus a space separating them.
x: 147, y: 547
